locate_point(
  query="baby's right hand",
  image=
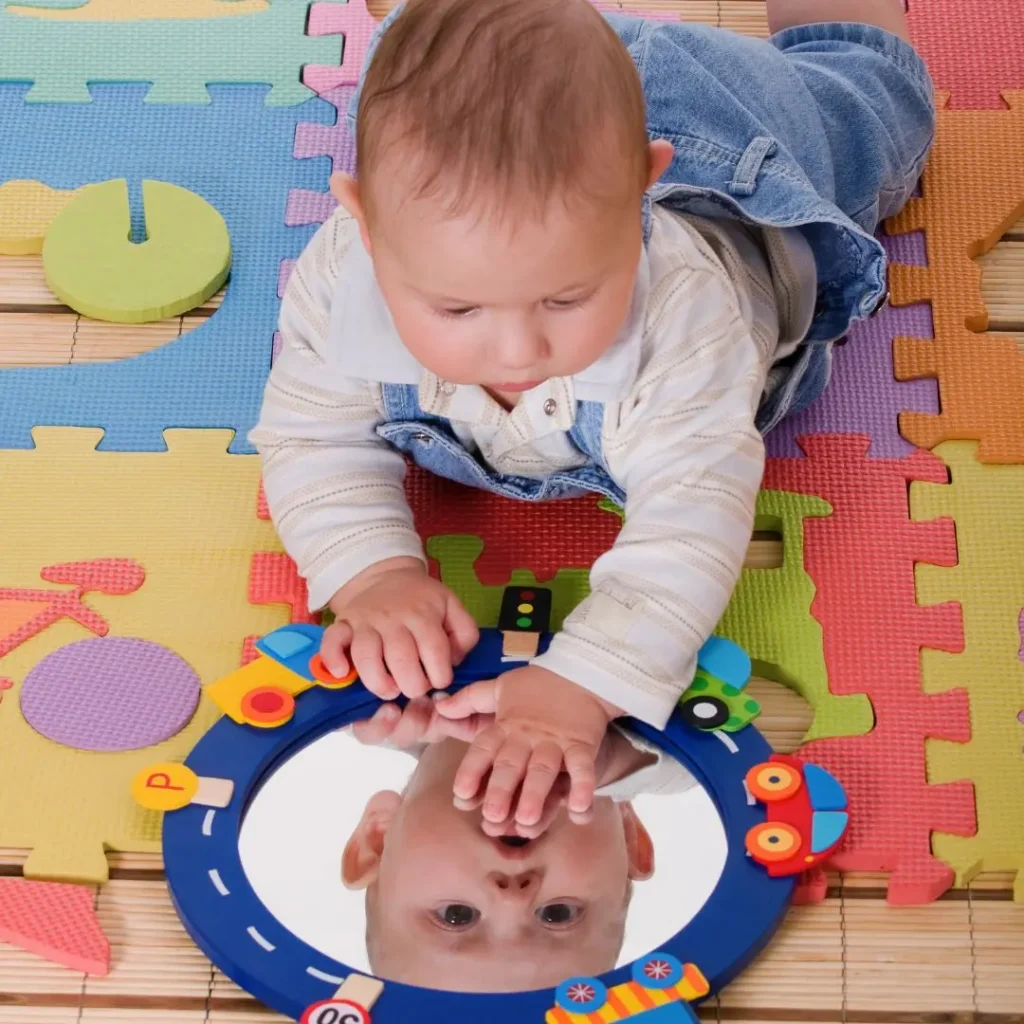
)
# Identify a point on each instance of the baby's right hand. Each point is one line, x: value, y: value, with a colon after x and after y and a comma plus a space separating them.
x: 399, y: 628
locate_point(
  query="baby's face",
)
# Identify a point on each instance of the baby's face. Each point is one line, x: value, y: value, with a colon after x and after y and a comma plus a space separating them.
x: 505, y: 303
x: 452, y: 908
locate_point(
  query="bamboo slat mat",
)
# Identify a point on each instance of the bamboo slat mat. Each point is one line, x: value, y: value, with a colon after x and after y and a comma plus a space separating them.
x: 851, y: 958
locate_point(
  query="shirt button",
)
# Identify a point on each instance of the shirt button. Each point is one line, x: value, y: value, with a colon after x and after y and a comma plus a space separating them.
x: 424, y: 439
x: 550, y: 407
x: 448, y: 389
x: 881, y: 303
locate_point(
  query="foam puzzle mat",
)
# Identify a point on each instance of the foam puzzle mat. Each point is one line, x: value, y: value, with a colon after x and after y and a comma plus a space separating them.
x: 137, y: 559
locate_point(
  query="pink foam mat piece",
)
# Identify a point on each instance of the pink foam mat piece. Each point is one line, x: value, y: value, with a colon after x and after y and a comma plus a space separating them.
x: 333, y: 141
x: 357, y: 25
x: 862, y: 560
x: 863, y: 396
x: 973, y: 48
x: 110, y: 694
x: 54, y: 921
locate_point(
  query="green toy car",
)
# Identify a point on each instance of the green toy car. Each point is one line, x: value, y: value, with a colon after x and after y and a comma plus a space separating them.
x: 715, y: 698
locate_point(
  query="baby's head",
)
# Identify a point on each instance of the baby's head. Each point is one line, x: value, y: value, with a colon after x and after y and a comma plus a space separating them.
x: 451, y: 908
x: 502, y: 159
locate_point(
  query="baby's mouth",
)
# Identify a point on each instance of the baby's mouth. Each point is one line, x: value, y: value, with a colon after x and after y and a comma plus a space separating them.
x: 514, y: 841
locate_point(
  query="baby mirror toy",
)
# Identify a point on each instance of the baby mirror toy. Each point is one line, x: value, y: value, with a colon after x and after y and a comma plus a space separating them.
x: 320, y: 862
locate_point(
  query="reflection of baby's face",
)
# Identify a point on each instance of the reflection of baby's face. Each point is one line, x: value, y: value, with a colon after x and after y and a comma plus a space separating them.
x: 449, y: 907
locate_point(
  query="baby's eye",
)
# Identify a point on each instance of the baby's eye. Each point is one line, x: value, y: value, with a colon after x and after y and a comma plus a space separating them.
x: 560, y: 915
x: 562, y: 304
x: 457, y: 916
x: 457, y: 312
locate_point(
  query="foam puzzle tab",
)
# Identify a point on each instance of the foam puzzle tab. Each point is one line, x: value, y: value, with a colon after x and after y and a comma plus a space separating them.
x: 93, y: 266
x: 986, y: 503
x: 973, y: 190
x: 57, y: 922
x: 188, y: 516
x: 180, y: 57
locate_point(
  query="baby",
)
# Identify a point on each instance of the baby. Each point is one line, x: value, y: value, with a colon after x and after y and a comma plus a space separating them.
x: 580, y: 255
x: 450, y: 907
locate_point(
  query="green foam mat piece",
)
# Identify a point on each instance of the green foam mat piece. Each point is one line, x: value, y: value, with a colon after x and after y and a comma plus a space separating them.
x: 770, y: 617
x: 180, y: 57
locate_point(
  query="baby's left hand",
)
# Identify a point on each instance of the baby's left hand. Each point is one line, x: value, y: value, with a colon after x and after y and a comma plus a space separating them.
x: 542, y: 722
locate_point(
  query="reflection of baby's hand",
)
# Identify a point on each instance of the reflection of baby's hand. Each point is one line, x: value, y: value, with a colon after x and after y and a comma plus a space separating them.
x: 542, y: 724
x: 417, y: 722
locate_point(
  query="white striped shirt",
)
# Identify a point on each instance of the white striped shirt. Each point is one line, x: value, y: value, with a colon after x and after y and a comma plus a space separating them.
x: 681, y: 386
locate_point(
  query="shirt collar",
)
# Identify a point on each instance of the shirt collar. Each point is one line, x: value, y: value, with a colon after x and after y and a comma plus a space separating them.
x: 364, y: 343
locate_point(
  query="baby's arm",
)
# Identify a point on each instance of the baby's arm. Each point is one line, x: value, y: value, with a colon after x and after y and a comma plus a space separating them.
x: 336, y: 495
x: 690, y: 459
x: 887, y: 14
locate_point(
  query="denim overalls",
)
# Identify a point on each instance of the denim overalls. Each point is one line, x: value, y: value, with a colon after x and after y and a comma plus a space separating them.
x: 824, y: 128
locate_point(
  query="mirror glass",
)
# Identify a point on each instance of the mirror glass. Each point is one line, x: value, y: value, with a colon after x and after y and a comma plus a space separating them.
x: 359, y: 851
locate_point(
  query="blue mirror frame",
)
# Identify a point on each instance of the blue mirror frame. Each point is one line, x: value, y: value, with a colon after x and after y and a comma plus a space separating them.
x: 229, y: 923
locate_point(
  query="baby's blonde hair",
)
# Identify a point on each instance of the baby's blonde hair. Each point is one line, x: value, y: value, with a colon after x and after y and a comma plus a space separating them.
x: 505, y: 100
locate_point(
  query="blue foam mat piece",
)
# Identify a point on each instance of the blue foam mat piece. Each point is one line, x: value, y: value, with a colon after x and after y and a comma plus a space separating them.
x: 237, y: 154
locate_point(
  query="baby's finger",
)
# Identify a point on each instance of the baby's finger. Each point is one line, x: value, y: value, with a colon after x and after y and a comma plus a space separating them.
x: 543, y: 769
x: 462, y: 629
x: 552, y: 806
x: 367, y: 654
x: 334, y: 647
x: 435, y: 652
x: 477, y: 762
x: 415, y: 720
x: 377, y: 729
x: 403, y: 661
x: 579, y: 763
x: 476, y: 699
x: 506, y: 774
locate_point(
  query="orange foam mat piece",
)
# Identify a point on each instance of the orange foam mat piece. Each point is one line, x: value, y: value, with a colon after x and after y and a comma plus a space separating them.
x: 862, y: 559
x: 54, y: 921
x: 973, y: 190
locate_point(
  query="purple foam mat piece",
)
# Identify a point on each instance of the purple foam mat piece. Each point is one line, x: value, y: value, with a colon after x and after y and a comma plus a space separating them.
x: 908, y: 248
x: 283, y: 273
x: 334, y: 141
x: 863, y: 396
x: 110, y: 694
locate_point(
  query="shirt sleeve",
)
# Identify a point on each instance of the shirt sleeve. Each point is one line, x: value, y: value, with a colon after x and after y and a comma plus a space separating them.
x: 665, y: 777
x: 685, y: 449
x: 334, y: 487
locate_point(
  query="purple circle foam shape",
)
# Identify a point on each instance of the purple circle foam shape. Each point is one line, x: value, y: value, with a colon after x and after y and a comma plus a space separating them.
x: 110, y: 694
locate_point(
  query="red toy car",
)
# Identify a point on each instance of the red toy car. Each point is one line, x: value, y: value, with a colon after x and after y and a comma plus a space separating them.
x: 806, y: 815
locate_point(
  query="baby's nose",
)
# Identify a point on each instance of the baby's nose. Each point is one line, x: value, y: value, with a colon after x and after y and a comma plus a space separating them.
x: 520, y: 886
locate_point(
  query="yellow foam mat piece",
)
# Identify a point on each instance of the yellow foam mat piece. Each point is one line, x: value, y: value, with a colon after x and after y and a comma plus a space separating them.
x: 188, y: 516
x: 140, y: 10
x: 27, y: 208
x: 987, y: 505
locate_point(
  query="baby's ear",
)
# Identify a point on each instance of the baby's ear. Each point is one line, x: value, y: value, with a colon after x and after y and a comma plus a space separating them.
x: 360, y: 860
x: 345, y: 190
x: 639, y: 845
x: 660, y: 154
